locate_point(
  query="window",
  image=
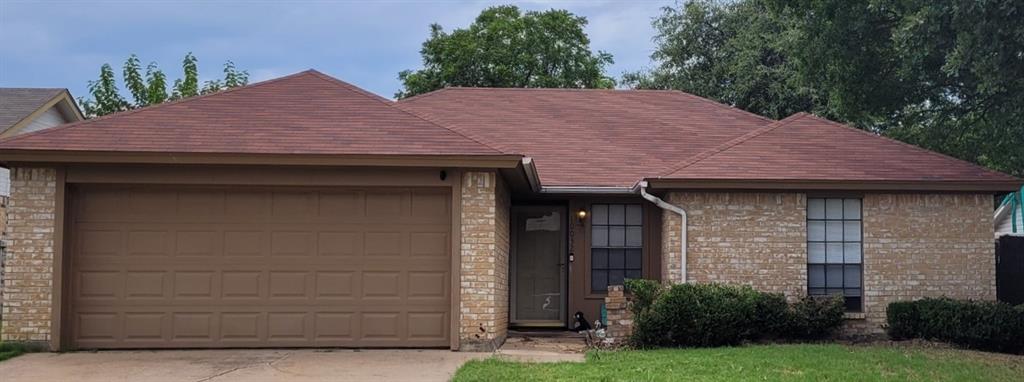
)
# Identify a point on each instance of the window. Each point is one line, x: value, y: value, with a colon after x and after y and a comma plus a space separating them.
x: 834, y: 249
x: 616, y: 244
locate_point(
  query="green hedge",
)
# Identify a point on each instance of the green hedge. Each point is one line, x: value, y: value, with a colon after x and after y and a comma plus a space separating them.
x: 983, y: 325
x: 720, y: 315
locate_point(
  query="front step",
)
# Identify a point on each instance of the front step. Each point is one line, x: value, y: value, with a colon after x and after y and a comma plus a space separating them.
x: 555, y: 341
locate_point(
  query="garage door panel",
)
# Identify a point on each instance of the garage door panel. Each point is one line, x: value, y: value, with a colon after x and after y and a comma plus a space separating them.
x: 297, y: 205
x: 260, y: 267
x: 242, y: 326
x: 427, y: 325
x: 347, y: 204
x: 339, y: 243
x: 99, y: 241
x: 336, y: 284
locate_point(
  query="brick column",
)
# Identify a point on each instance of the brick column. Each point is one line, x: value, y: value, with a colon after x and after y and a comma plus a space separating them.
x: 620, y: 316
x: 483, y: 315
x: 28, y: 280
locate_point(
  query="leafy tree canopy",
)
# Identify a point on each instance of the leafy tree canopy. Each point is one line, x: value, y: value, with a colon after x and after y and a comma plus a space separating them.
x: 946, y: 75
x: 151, y: 88
x: 505, y: 47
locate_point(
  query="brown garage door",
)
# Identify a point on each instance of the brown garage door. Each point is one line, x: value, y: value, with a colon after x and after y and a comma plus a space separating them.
x: 178, y: 267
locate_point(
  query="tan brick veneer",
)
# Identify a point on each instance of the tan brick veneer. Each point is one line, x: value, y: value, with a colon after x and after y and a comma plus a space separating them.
x: 924, y: 245
x: 28, y: 280
x: 915, y: 245
x: 483, y: 322
x: 758, y: 239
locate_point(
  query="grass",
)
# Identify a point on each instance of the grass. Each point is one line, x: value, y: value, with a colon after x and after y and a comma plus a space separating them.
x: 829, y: 362
x: 10, y: 350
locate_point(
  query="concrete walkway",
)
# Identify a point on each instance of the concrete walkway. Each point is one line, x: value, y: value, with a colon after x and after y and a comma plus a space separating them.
x: 254, y: 365
x: 237, y: 365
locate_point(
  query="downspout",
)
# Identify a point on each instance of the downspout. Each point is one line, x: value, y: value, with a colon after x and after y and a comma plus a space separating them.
x: 682, y: 230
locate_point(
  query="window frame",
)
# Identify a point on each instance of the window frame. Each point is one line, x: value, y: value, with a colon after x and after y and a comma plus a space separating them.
x: 850, y: 306
x: 640, y: 249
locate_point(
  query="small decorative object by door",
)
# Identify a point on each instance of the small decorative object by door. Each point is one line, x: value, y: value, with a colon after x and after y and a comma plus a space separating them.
x: 581, y: 322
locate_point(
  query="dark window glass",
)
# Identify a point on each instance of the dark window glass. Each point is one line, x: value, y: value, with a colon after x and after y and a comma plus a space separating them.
x: 834, y: 257
x: 616, y: 244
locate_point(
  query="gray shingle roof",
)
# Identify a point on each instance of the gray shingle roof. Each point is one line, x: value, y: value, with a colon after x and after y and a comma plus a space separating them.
x: 18, y: 103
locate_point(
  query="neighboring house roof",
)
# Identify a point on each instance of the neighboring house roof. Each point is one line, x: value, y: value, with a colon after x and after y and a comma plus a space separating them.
x: 609, y: 138
x: 577, y: 139
x: 304, y: 113
x: 19, y: 107
x: 23, y: 110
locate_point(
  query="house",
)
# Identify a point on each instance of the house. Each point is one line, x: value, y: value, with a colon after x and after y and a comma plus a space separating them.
x: 1009, y: 217
x: 304, y: 211
x: 24, y: 110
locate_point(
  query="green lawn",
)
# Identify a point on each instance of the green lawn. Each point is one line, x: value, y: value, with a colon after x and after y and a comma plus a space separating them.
x: 762, y: 363
x: 10, y: 350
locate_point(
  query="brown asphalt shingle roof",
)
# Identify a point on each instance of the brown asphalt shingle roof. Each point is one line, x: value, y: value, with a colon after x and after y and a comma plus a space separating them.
x: 304, y: 113
x: 617, y: 137
x: 805, y: 147
x: 18, y: 103
x: 588, y: 137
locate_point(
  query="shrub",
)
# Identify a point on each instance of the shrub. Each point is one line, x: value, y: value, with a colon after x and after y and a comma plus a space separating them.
x: 643, y: 293
x: 903, y: 318
x: 815, y: 317
x: 983, y: 325
x: 718, y: 315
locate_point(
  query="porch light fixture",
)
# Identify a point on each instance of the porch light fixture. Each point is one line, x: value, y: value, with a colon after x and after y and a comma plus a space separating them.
x: 581, y: 214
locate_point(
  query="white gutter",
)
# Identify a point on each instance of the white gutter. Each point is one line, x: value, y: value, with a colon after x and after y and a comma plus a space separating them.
x: 682, y: 231
x: 586, y: 190
x: 531, y: 174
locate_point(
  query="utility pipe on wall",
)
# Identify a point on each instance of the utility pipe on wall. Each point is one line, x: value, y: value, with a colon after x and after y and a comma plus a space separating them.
x: 682, y: 234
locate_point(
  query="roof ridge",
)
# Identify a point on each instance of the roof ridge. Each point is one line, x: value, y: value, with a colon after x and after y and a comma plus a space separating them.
x: 27, y: 88
x: 148, y: 107
x: 673, y: 91
x: 452, y: 129
x: 394, y: 105
x: 728, y: 107
x: 520, y: 88
x: 915, y: 147
x: 423, y: 95
x: 349, y: 86
x: 731, y: 143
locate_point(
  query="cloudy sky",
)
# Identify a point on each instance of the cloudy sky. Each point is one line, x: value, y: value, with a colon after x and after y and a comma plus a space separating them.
x: 63, y: 43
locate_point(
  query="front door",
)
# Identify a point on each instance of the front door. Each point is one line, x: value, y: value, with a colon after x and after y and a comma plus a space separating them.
x: 538, y: 266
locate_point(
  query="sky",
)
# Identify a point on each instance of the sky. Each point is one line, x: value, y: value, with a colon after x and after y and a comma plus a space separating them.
x: 63, y: 43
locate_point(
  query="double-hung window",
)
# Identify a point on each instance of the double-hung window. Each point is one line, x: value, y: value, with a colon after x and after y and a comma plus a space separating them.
x: 835, y: 249
x: 616, y: 244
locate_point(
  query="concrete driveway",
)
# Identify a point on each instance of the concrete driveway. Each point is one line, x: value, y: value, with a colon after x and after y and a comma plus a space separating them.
x: 237, y: 365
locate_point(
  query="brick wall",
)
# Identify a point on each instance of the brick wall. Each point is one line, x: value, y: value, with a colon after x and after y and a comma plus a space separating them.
x: 3, y: 249
x: 924, y: 245
x: 483, y: 322
x: 758, y: 239
x: 915, y: 245
x: 28, y: 279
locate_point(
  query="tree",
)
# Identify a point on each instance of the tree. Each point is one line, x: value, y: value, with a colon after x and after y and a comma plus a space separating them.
x: 151, y: 88
x: 944, y: 75
x: 505, y: 47
x: 106, y: 98
x: 188, y: 86
x: 730, y: 52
